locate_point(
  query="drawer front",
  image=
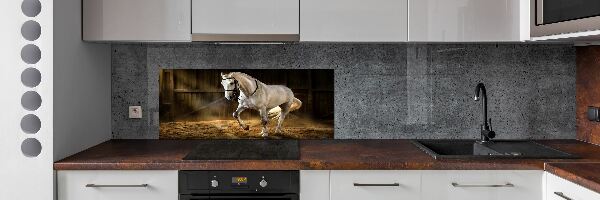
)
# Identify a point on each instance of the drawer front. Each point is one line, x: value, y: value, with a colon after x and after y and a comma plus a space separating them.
x: 117, y: 185
x: 376, y: 185
x: 482, y: 185
x: 560, y: 189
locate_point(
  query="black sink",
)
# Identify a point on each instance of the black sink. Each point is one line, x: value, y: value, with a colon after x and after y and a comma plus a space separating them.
x: 471, y: 149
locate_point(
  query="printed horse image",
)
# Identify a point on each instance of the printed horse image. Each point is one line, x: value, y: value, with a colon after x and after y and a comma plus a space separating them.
x: 268, y: 100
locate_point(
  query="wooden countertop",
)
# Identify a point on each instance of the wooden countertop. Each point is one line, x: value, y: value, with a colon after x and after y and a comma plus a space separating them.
x: 331, y: 155
x: 584, y: 174
x: 314, y: 154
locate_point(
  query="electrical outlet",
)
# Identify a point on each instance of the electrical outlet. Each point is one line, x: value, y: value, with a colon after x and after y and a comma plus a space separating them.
x: 135, y: 112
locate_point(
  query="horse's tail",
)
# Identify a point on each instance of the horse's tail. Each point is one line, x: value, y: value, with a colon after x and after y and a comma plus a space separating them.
x: 276, y: 112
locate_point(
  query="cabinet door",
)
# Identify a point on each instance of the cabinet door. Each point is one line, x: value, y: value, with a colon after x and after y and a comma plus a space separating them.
x: 374, y: 184
x: 221, y: 18
x: 560, y: 189
x: 117, y: 185
x: 136, y: 20
x: 468, y: 20
x: 482, y: 185
x: 314, y: 185
x: 353, y: 20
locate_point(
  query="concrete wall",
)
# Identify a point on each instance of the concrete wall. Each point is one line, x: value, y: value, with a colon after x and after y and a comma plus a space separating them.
x: 382, y: 90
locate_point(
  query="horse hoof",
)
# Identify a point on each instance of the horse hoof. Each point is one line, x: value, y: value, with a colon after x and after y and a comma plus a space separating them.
x: 264, y: 134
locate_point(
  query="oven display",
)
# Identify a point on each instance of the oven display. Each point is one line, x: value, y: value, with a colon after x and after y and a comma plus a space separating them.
x: 239, y: 181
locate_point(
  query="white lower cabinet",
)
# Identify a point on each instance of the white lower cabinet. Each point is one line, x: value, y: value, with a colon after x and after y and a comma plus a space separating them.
x: 375, y: 185
x: 314, y: 185
x: 560, y: 189
x: 117, y: 185
x: 341, y: 185
x: 435, y: 185
x: 482, y: 185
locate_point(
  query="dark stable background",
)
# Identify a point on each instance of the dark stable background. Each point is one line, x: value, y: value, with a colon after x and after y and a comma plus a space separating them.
x: 197, y: 94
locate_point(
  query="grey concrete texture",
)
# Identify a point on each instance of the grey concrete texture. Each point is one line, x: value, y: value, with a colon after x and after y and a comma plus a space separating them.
x: 382, y: 91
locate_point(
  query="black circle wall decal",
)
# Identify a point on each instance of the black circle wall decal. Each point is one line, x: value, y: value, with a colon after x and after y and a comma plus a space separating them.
x: 31, y: 8
x: 31, y: 100
x: 31, y: 54
x: 31, y: 147
x: 31, y: 77
x: 31, y: 124
x: 31, y: 30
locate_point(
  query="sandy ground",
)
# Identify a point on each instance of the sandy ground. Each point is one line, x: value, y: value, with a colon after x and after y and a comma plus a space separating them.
x: 294, y: 128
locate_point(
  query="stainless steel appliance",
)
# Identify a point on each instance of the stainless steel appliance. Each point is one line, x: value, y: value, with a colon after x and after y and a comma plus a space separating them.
x: 553, y: 17
x: 233, y: 185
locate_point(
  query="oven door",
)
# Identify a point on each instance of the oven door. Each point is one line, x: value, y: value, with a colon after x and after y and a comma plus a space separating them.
x: 552, y: 17
x: 240, y: 197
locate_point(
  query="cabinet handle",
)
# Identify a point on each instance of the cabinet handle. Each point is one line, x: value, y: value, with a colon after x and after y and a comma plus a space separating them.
x: 376, y: 184
x: 492, y: 185
x: 560, y: 194
x: 114, y: 186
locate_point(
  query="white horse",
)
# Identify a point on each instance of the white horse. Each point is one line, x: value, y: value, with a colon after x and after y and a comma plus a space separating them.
x: 278, y: 100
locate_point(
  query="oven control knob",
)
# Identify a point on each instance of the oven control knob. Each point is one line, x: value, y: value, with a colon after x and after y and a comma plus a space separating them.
x: 214, y: 183
x: 263, y: 183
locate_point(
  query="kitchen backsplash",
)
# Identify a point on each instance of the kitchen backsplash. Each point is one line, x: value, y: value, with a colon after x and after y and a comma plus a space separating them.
x: 381, y: 90
x: 588, y: 92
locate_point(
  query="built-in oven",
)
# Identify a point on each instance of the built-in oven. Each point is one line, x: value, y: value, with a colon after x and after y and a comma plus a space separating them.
x: 236, y: 185
x: 553, y: 17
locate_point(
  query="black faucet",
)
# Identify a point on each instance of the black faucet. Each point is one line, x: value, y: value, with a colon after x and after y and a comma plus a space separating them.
x: 486, y: 129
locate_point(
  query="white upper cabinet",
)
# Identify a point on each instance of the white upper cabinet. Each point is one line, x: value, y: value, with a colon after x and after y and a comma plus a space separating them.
x: 468, y: 20
x: 307, y: 20
x: 353, y: 20
x: 136, y: 20
x: 245, y: 20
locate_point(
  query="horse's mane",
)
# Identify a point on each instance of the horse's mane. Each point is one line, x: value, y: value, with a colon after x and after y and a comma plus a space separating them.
x: 241, y: 74
x: 246, y: 82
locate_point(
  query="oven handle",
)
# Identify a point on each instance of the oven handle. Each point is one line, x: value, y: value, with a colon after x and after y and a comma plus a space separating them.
x: 245, y: 196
